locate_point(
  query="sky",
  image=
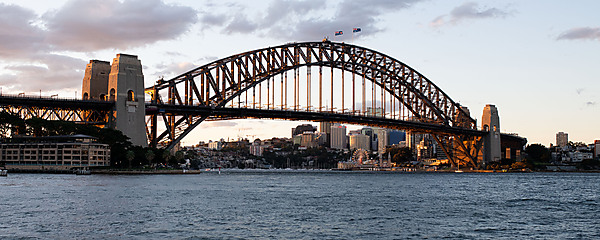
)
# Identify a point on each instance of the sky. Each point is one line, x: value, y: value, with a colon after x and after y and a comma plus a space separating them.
x: 538, y: 61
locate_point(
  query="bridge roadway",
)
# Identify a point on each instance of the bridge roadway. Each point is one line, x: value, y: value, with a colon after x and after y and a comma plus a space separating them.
x: 222, y: 113
x: 49, y: 102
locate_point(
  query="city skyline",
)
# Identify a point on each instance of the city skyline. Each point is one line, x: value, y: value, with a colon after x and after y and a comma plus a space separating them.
x: 537, y: 67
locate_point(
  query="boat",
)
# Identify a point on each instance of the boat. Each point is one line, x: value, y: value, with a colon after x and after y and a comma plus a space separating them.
x: 3, y: 173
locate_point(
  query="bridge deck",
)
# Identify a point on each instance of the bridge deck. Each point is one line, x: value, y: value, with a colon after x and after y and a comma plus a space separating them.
x: 235, y: 113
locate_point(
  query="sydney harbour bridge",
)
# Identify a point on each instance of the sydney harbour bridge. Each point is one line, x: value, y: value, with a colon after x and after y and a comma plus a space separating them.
x: 312, y: 81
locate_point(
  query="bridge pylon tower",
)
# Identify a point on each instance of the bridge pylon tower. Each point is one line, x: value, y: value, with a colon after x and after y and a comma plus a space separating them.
x: 126, y: 89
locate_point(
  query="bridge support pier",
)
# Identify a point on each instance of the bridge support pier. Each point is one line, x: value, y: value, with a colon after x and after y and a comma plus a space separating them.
x: 126, y: 88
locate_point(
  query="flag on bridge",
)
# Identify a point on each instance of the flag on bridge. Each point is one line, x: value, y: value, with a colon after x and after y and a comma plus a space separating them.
x: 339, y: 33
x: 354, y: 30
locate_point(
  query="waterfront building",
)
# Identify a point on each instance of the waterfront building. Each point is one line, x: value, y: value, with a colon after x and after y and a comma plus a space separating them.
x: 338, y: 137
x: 54, y: 153
x: 360, y: 141
x: 562, y: 139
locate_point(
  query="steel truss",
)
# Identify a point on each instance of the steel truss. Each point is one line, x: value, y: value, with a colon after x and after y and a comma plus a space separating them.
x: 85, y: 112
x: 233, y: 79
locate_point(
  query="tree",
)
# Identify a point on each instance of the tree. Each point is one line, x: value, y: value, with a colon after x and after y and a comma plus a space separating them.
x: 149, y: 156
x: 538, y: 153
x: 399, y: 154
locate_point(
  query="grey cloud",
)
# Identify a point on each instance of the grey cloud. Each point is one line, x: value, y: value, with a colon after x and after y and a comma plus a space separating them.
x: 468, y: 10
x: 581, y: 33
x: 590, y: 103
x: 80, y: 25
x: 579, y: 91
x: 308, y: 19
x: 240, y: 24
x: 56, y: 72
x: 89, y: 25
x: 18, y: 37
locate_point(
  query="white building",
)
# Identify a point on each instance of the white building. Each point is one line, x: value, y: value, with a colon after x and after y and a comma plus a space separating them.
x: 215, y: 145
x: 54, y: 153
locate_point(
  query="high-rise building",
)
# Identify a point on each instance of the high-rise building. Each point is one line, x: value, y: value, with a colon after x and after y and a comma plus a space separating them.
x: 491, y: 123
x: 325, y: 127
x: 562, y: 139
x: 338, y: 137
x: 597, y: 149
x: 360, y: 141
x: 383, y: 139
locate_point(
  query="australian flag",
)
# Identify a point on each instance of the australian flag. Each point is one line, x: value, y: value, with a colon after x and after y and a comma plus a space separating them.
x: 355, y: 30
x: 339, y: 33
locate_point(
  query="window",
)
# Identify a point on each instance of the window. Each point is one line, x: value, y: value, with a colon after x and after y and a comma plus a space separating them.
x: 130, y: 96
x: 102, y: 97
x: 112, y: 94
x: 85, y: 96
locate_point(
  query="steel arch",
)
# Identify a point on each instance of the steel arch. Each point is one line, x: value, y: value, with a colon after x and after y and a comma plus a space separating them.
x: 216, y: 84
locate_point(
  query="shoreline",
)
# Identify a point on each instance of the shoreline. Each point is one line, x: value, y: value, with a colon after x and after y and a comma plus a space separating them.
x: 235, y: 170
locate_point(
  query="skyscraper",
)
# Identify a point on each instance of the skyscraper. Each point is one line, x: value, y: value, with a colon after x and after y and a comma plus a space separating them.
x: 562, y: 139
x: 325, y: 127
x: 338, y: 137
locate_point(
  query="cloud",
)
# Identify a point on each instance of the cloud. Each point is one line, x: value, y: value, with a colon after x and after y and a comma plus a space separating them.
x: 468, y: 10
x: 579, y: 91
x: 307, y: 19
x: 30, y: 44
x: 89, y: 25
x: 173, y: 69
x: 582, y: 33
x: 19, y: 38
x: 54, y: 72
x: 590, y: 103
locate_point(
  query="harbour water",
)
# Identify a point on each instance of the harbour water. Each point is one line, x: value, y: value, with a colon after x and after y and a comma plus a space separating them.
x: 301, y: 205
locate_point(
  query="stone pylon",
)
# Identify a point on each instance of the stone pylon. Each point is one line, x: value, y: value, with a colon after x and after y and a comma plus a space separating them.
x: 126, y: 88
x: 490, y: 122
